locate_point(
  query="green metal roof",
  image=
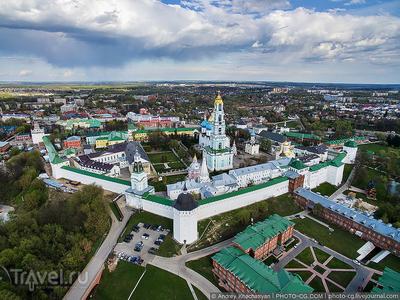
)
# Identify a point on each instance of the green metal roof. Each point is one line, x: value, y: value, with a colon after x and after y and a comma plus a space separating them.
x: 297, y: 164
x: 254, y: 236
x: 258, y: 276
x: 158, y: 199
x: 300, y: 135
x: 99, y: 176
x: 319, y: 166
x: 388, y: 282
x: 337, y: 161
x: 54, y: 158
x: 351, y: 144
x: 243, y: 191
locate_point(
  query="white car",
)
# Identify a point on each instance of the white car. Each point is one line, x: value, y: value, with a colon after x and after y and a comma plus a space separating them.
x: 145, y: 236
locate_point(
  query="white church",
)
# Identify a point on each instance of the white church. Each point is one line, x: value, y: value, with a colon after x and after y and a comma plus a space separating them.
x: 215, y: 143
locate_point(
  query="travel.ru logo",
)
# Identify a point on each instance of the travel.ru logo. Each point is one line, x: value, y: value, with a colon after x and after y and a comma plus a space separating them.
x: 33, y: 279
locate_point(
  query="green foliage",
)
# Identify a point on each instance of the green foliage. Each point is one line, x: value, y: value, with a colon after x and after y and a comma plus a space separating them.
x: 44, y: 234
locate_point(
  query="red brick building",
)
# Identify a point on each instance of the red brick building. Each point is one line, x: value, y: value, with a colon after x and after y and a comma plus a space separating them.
x: 382, y: 235
x: 72, y: 142
x: 260, y: 239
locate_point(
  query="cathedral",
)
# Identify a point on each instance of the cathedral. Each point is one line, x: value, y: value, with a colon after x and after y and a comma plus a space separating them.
x: 215, y: 143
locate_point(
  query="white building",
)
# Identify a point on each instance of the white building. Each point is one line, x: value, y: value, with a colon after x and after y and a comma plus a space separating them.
x: 350, y: 147
x: 37, y: 134
x: 252, y: 147
x: 218, y: 152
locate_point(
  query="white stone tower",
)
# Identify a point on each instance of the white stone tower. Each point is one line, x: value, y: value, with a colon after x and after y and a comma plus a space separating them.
x: 138, y: 176
x: 219, y: 154
x: 185, y: 218
x: 350, y: 147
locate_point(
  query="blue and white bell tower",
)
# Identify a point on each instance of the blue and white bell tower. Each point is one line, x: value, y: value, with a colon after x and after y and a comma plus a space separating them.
x: 219, y: 153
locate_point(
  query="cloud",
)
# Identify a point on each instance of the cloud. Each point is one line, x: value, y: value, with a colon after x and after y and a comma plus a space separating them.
x: 113, y: 33
x: 355, y: 2
x: 24, y: 73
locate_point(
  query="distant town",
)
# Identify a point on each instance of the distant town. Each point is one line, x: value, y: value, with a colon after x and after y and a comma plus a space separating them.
x: 199, y: 188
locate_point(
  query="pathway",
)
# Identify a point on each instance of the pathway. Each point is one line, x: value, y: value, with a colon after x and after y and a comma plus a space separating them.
x: 80, y: 287
x: 362, y: 275
x: 345, y: 186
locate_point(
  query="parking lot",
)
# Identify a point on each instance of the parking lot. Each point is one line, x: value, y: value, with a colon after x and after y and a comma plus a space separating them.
x: 129, y: 247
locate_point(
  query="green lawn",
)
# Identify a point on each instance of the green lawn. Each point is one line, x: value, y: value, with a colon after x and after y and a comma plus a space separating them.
x: 303, y: 274
x: 203, y: 266
x: 342, y: 278
x: 156, y: 284
x: 325, y: 189
x: 306, y: 256
x: 115, y: 210
x: 317, y: 284
x: 294, y: 264
x: 160, y: 186
x: 163, y: 157
x: 319, y: 269
x: 159, y: 284
x: 370, y: 285
x: 321, y: 255
x: 199, y: 294
x: 376, y: 148
x: 118, y: 284
x: 339, y: 240
x: 335, y: 263
x: 228, y: 224
x: 390, y: 261
x: 333, y: 288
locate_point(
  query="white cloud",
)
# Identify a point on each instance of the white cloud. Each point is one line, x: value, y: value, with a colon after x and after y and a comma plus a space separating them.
x: 110, y: 33
x: 24, y: 73
x: 355, y: 2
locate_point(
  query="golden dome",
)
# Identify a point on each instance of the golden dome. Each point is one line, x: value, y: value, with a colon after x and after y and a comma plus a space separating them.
x: 211, y: 118
x: 218, y: 99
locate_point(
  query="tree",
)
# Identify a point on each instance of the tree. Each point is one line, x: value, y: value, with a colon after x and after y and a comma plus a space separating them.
x: 266, y: 145
x: 244, y: 216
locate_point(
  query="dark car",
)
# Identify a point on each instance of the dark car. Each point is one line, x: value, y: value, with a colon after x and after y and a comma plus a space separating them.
x: 158, y: 242
x: 153, y: 227
x: 152, y: 250
x: 147, y: 226
x: 136, y: 228
x: 161, y: 237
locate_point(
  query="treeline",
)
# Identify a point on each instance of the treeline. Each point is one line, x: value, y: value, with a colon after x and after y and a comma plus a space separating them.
x: 46, y: 235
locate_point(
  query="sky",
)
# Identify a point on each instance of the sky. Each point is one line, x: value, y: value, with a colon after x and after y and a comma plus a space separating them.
x: 349, y: 41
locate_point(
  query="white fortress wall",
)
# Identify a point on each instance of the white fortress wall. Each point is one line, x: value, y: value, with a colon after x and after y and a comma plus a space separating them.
x: 235, y: 202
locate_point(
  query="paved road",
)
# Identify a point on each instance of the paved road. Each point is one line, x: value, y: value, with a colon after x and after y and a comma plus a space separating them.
x: 345, y: 186
x: 80, y: 286
x: 360, y: 279
x: 176, y: 265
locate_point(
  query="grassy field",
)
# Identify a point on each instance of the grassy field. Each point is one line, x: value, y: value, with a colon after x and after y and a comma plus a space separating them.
x: 160, y: 186
x: 333, y: 288
x: 306, y: 256
x: 303, y: 274
x: 319, y: 269
x: 321, y: 255
x: 294, y: 264
x: 334, y: 263
x: 159, y: 159
x: 342, y: 278
x: 169, y: 247
x: 376, y: 148
x: 325, y: 189
x: 317, y: 285
x: 338, y: 240
x: 118, y: 284
x: 156, y: 284
x: 228, y: 224
x: 203, y: 266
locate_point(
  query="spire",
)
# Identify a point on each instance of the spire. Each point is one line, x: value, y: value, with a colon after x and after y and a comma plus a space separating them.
x: 136, y: 157
x: 218, y: 99
x: 195, y: 158
x: 204, y: 176
x: 184, y: 188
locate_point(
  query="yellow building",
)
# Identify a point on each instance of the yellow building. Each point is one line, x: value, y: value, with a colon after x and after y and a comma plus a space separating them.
x: 143, y: 134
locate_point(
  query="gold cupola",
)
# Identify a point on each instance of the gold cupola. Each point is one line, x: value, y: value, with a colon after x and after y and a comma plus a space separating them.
x: 218, y: 99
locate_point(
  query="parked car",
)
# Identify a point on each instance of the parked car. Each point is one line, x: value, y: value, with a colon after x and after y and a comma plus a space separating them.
x: 161, y: 237
x: 145, y: 236
x: 136, y: 228
x: 158, y: 242
x: 147, y: 226
x: 152, y: 250
x: 159, y: 228
x: 153, y: 227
